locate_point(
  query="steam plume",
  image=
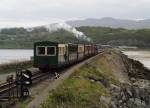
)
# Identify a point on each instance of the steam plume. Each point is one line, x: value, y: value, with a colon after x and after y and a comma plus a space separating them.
x: 78, y: 34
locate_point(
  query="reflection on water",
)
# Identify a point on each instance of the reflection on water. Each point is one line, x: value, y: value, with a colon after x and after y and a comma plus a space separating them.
x: 13, y: 55
x: 142, y: 56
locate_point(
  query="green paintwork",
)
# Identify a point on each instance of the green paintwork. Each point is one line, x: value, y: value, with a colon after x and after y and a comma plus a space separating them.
x: 45, y: 60
x: 53, y: 61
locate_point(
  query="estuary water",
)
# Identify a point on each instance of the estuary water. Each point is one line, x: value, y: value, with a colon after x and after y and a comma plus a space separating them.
x: 141, y: 55
x: 15, y: 55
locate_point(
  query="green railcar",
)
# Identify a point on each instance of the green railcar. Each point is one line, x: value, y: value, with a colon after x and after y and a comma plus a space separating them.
x: 45, y: 55
x: 50, y: 55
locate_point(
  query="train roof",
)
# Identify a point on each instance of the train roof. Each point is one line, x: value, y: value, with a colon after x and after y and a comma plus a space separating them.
x: 50, y: 42
x: 46, y: 42
x: 56, y: 43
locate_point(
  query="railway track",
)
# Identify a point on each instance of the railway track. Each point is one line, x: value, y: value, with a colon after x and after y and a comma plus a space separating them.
x: 37, y: 77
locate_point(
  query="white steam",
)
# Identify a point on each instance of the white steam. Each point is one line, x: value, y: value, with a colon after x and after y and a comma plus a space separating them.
x: 58, y: 26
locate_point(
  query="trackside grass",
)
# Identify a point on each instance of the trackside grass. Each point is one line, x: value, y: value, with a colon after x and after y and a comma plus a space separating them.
x: 85, y: 87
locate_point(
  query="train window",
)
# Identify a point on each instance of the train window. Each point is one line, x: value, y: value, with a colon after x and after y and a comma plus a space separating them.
x: 63, y: 50
x: 51, y: 51
x: 41, y: 50
x: 59, y: 50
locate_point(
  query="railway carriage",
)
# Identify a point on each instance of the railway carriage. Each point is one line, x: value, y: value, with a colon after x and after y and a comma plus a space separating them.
x: 62, y: 54
x: 45, y: 55
x: 51, y: 55
x: 86, y: 51
x: 72, y: 53
x: 90, y: 50
x: 93, y: 49
x: 80, y: 52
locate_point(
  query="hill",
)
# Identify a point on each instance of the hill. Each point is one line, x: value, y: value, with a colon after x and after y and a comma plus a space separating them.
x: 118, y: 37
x: 111, y: 22
x: 24, y: 38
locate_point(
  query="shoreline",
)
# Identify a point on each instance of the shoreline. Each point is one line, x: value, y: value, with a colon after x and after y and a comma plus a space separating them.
x: 12, y: 67
x: 16, y: 48
x: 139, y: 55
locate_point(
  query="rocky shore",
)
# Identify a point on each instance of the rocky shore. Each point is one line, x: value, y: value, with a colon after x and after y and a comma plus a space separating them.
x: 134, y: 93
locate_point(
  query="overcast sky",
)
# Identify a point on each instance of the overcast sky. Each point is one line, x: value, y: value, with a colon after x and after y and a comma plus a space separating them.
x: 40, y: 12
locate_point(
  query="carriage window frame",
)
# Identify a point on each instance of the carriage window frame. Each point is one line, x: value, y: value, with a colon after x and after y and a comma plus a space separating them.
x: 37, y: 54
x: 54, y: 54
x: 37, y: 51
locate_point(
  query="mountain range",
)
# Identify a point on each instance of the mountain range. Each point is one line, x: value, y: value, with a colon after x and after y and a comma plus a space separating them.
x: 111, y: 22
x: 102, y: 31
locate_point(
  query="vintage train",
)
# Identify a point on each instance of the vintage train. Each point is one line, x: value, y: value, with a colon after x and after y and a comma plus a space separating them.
x: 51, y: 55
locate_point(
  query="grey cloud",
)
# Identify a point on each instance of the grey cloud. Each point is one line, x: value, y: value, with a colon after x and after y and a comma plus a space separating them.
x: 37, y: 12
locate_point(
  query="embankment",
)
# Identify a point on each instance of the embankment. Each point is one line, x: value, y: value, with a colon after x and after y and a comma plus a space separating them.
x: 111, y: 80
x: 11, y: 67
